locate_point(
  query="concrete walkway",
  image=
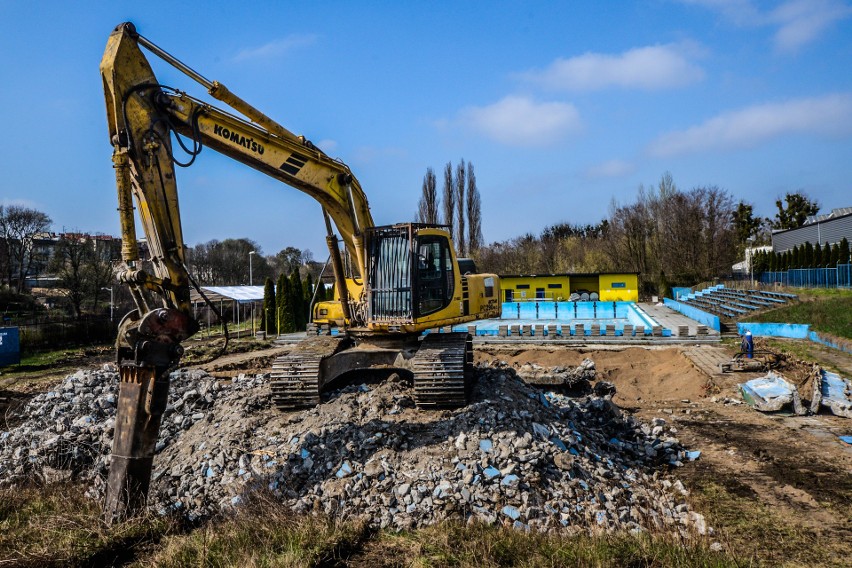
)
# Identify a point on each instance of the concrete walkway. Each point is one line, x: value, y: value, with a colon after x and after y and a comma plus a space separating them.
x: 671, y: 319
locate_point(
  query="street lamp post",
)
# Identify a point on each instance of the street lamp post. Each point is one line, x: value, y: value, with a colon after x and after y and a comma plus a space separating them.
x: 251, y: 278
x: 111, y: 304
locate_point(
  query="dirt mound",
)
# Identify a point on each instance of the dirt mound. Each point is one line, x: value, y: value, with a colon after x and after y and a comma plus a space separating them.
x: 638, y: 373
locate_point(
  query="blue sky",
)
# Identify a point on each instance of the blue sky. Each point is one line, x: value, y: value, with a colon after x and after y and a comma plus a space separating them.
x: 562, y: 107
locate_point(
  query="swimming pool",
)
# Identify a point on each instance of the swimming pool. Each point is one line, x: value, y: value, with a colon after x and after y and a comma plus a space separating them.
x: 566, y: 316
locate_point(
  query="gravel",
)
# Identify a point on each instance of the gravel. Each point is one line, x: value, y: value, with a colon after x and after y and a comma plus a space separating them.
x: 516, y: 455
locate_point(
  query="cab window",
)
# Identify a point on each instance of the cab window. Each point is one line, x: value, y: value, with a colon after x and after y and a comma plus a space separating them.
x: 435, y: 275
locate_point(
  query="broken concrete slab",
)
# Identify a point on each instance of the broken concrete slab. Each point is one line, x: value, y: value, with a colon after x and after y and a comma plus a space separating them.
x: 770, y: 393
x: 836, y: 393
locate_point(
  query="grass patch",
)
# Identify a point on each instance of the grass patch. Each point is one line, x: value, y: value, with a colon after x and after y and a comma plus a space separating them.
x: 477, y: 545
x: 206, y: 350
x: 266, y: 533
x: 829, y: 311
x: 59, y: 357
x: 759, y: 534
x: 58, y: 526
x: 262, y: 533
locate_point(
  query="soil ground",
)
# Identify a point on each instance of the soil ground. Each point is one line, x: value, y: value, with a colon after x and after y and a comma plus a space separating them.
x: 776, y: 488
x: 791, y: 470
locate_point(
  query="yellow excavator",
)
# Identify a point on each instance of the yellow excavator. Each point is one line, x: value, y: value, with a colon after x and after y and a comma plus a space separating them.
x: 404, y: 279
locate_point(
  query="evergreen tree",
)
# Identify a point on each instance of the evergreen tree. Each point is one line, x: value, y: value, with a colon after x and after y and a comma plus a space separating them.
x: 835, y: 255
x: 284, y: 306
x: 798, y: 256
x: 795, y: 210
x: 297, y: 301
x: 309, y: 294
x: 844, y: 251
x: 818, y: 256
x: 808, y: 261
x: 267, y: 322
x: 773, y: 262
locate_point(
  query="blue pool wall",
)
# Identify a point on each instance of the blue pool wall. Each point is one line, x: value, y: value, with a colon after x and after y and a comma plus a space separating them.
x: 692, y: 312
x: 790, y: 331
x: 562, y: 313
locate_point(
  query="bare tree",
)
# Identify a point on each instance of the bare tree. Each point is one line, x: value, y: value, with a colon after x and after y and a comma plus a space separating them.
x: 474, y: 212
x: 69, y: 261
x: 226, y: 263
x: 427, y: 209
x: 83, y: 265
x: 449, y: 197
x: 461, y: 237
x: 19, y: 227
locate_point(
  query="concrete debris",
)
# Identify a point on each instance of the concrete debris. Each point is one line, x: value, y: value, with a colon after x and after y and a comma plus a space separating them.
x: 836, y: 394
x: 771, y: 393
x: 570, y: 377
x: 528, y: 459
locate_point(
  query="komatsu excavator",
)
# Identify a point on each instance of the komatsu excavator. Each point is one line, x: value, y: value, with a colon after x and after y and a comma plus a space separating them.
x: 405, y: 279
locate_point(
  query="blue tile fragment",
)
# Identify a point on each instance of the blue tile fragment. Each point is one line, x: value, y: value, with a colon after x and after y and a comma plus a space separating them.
x: 509, y: 480
x: 491, y: 472
x: 511, y: 512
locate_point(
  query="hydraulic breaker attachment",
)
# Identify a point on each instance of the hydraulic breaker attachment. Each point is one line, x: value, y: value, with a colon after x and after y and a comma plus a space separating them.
x: 148, y: 349
x: 143, y: 393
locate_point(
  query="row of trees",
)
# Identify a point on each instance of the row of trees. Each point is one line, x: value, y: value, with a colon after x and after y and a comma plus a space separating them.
x: 460, y: 209
x: 228, y: 262
x: 804, y: 256
x: 287, y: 304
x: 668, y: 235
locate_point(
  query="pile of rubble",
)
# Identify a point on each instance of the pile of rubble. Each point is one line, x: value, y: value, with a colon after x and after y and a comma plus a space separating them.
x: 515, y: 455
x: 575, y: 378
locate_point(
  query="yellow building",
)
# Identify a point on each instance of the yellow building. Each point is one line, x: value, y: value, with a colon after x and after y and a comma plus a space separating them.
x: 609, y: 286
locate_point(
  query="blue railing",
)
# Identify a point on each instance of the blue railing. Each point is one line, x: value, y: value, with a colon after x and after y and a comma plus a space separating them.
x: 840, y: 277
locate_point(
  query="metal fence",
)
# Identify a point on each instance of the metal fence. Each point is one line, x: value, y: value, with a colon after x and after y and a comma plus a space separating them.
x: 840, y: 277
x: 44, y: 333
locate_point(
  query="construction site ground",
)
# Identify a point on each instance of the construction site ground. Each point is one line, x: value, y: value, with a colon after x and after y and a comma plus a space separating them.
x: 775, y: 488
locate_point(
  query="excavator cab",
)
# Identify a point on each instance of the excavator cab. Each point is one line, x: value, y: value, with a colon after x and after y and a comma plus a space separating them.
x: 412, y: 275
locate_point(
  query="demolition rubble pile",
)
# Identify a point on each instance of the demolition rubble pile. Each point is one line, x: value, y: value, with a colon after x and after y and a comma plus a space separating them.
x: 515, y: 455
x: 575, y: 378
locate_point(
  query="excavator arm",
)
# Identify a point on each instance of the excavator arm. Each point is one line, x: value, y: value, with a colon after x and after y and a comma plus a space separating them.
x: 142, y: 115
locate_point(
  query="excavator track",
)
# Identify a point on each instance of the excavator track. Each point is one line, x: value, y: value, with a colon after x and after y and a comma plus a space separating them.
x: 296, y: 376
x: 441, y: 370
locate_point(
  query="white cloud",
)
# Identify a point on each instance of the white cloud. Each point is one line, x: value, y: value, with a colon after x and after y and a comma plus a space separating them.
x: 802, y: 21
x: 649, y: 68
x: 521, y: 121
x: 826, y: 116
x: 798, y: 22
x: 275, y: 48
x: 609, y: 169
